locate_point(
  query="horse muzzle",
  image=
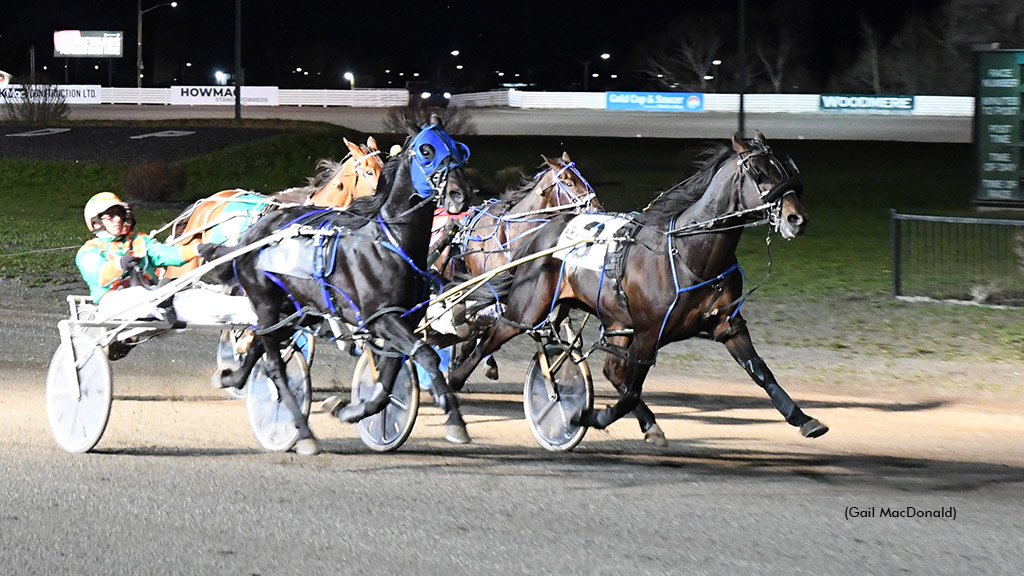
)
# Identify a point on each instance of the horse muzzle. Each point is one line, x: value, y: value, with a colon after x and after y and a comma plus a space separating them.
x: 457, y: 200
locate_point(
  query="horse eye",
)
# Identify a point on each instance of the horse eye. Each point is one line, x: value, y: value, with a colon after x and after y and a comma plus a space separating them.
x: 427, y: 151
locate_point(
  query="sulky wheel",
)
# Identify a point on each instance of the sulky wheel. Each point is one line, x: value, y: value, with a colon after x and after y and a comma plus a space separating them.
x: 78, y: 401
x: 387, y: 430
x: 270, y: 420
x: 550, y: 411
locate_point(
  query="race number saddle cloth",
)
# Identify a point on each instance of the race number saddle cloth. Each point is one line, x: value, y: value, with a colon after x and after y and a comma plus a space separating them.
x: 612, y: 236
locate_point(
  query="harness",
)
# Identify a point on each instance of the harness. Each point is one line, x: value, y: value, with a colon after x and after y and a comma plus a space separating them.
x: 429, y: 175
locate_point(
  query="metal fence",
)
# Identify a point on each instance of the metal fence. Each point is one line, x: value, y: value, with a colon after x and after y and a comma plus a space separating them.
x: 970, y: 260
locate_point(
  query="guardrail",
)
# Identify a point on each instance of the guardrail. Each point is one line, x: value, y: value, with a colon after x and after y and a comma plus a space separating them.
x: 962, y: 260
x: 753, y: 103
x: 958, y: 106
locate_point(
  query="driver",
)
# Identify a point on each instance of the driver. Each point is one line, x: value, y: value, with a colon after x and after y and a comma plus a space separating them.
x: 119, y: 256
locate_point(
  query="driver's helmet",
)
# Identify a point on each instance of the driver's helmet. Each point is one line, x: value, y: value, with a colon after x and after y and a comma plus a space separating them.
x: 99, y: 204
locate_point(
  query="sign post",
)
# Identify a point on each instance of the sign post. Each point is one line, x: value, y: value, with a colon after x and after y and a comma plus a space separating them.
x: 999, y: 128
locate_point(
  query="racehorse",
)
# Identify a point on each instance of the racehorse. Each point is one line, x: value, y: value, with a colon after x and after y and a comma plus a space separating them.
x: 222, y: 217
x: 375, y: 279
x: 485, y: 238
x: 666, y: 275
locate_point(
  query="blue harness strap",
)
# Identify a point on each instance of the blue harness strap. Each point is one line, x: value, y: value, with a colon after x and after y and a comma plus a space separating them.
x: 675, y: 281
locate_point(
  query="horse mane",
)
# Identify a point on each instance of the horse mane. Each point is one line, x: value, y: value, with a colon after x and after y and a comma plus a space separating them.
x: 686, y: 193
x: 516, y: 192
x: 326, y: 169
x: 366, y: 207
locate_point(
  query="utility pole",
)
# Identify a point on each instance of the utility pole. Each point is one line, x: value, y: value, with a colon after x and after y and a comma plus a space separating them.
x: 743, y: 64
x: 239, y: 80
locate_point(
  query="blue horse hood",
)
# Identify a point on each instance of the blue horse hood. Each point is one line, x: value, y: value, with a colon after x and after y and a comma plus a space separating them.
x: 447, y: 152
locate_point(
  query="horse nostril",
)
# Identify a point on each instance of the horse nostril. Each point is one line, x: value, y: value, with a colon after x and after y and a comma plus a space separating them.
x: 795, y: 220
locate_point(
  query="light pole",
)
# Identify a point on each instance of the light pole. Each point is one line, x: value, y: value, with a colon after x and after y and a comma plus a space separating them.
x: 586, y: 70
x: 138, y: 50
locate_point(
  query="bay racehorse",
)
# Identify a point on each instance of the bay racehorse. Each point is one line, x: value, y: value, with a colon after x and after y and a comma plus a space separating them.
x: 665, y: 275
x: 223, y: 217
x: 367, y: 270
x: 485, y: 236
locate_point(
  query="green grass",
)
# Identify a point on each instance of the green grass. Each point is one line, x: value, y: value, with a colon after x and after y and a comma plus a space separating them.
x: 837, y: 275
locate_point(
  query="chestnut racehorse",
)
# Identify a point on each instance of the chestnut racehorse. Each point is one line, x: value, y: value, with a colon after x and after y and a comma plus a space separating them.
x: 224, y: 216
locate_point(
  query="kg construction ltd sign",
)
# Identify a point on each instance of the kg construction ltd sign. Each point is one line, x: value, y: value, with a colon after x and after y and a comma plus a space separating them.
x: 861, y: 103
x: 223, y: 95
x: 70, y: 93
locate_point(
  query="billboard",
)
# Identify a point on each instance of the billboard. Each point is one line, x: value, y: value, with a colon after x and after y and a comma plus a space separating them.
x: 999, y: 128
x: 874, y: 103
x: 72, y: 93
x: 223, y: 95
x: 88, y: 44
x: 655, y: 101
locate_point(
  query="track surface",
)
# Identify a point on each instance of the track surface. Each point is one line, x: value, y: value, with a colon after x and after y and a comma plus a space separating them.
x: 178, y: 484
x: 602, y: 123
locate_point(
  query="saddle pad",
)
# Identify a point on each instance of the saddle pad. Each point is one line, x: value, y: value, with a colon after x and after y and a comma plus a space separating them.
x: 291, y: 256
x: 238, y: 215
x: 600, y: 227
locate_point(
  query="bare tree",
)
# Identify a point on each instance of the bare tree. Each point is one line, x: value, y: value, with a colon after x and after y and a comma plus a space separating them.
x: 775, y: 59
x: 683, y: 59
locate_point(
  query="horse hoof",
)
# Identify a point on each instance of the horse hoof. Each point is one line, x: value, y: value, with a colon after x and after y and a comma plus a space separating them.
x: 307, y: 447
x: 331, y: 405
x: 217, y: 379
x: 457, y: 434
x: 812, y: 428
x: 350, y: 413
x: 655, y: 437
x: 492, y: 373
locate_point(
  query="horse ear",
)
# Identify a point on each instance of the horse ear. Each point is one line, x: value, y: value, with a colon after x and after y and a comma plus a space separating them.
x: 371, y: 143
x: 436, y: 120
x: 550, y: 162
x: 565, y: 157
x: 738, y: 144
x: 354, y: 149
x: 759, y: 136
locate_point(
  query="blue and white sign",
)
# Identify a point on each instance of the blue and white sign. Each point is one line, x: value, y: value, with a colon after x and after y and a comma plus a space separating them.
x: 655, y: 101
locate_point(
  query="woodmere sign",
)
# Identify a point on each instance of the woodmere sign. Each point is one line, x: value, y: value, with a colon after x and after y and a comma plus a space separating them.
x: 999, y: 127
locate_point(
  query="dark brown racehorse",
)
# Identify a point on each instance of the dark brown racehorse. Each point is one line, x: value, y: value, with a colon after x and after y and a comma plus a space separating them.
x: 223, y: 217
x: 669, y: 274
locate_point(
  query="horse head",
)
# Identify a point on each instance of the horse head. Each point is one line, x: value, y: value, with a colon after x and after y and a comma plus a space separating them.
x: 776, y: 185
x: 436, y: 165
x: 356, y: 177
x: 563, y: 185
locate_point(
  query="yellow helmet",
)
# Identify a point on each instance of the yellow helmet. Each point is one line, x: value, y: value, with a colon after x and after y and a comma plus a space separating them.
x: 99, y: 204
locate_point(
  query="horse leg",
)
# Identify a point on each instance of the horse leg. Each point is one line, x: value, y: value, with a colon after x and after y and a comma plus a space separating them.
x: 307, y: 444
x: 640, y: 359
x: 492, y: 341
x: 391, y: 329
x: 236, y: 378
x: 387, y: 371
x: 615, y: 372
x: 737, y: 341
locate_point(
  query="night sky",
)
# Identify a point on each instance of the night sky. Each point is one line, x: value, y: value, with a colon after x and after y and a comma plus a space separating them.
x: 529, y: 41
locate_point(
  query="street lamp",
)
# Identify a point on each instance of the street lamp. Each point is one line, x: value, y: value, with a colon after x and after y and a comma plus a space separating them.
x: 138, y: 51
x: 586, y: 70
x: 351, y: 80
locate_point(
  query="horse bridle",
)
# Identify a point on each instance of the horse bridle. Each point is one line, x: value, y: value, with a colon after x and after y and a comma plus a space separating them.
x: 771, y: 199
x: 576, y: 201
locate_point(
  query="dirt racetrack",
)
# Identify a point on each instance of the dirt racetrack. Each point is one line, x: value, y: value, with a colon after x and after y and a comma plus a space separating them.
x: 704, y: 402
